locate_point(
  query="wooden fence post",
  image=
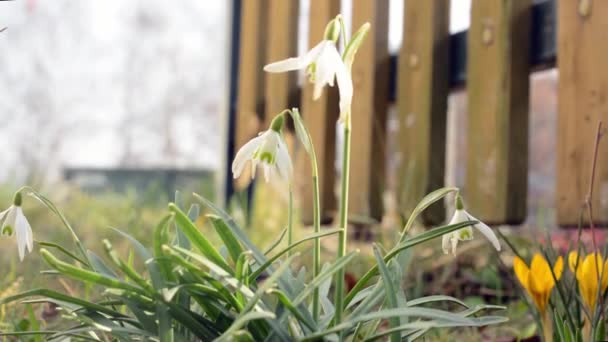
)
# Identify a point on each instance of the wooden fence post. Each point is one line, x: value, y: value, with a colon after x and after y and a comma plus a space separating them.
x: 320, y: 117
x: 583, y: 102
x: 370, y: 105
x: 251, y: 78
x: 497, y: 88
x: 281, y: 88
x: 423, y: 88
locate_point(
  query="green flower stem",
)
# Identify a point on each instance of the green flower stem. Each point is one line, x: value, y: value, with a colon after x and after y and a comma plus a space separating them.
x: 343, y: 220
x: 316, y: 265
x: 290, y: 220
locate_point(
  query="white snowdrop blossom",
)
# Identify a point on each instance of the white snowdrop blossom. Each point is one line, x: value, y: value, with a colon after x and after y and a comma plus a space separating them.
x: 323, y: 63
x: 268, y: 149
x: 14, y: 222
x: 450, y: 240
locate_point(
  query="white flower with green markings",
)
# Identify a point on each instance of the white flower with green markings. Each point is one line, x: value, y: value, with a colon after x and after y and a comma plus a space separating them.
x: 267, y: 149
x: 323, y: 63
x: 13, y: 222
x: 450, y: 240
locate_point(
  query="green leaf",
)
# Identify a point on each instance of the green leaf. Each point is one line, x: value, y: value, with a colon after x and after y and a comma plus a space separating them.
x: 198, y: 239
x: 160, y: 238
x: 276, y: 242
x: 435, y: 298
x: 81, y: 303
x: 432, y: 314
x: 61, y: 249
x: 422, y: 205
x: 85, y: 275
x: 218, y: 272
x: 408, y: 243
x: 275, y: 257
x: 242, y: 321
x: 99, y: 266
x: 157, y: 280
x: 390, y: 290
x: 324, y: 275
x: 230, y: 241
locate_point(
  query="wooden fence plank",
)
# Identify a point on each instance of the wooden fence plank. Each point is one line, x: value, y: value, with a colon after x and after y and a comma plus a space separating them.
x: 320, y: 117
x: 370, y: 105
x: 423, y: 87
x: 497, y: 87
x: 583, y: 101
x: 251, y: 78
x: 282, y: 43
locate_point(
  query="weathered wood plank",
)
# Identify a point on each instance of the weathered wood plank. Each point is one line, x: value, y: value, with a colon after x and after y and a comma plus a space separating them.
x: 583, y: 101
x: 282, y: 43
x: 423, y: 87
x: 497, y: 87
x: 370, y: 105
x: 320, y: 117
x: 251, y: 77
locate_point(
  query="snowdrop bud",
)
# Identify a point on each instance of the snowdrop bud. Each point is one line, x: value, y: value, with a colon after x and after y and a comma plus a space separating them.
x: 17, y: 199
x: 459, y: 204
x: 277, y: 123
x: 332, y: 30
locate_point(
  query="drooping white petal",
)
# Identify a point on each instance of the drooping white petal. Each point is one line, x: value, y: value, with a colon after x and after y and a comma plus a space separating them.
x: 267, y: 170
x: 24, y: 225
x: 325, y: 72
x: 486, y: 231
x: 21, y: 236
x: 296, y: 63
x: 445, y: 243
x: 293, y: 63
x: 345, y: 86
x: 245, y: 154
x: 284, y: 162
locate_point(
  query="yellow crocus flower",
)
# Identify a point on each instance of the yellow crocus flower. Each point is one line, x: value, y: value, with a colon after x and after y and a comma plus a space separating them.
x: 587, y: 276
x: 537, y: 279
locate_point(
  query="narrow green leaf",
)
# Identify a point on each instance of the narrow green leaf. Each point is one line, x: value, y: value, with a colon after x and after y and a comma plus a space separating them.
x: 85, y: 275
x: 230, y: 241
x: 426, y: 202
x: 198, y: 239
x: 275, y: 257
x: 151, y: 264
x: 99, y: 266
x: 61, y: 249
x: 61, y: 297
x: 242, y: 321
x: 390, y: 290
x: 408, y: 243
x: 276, y: 242
x: 435, y: 298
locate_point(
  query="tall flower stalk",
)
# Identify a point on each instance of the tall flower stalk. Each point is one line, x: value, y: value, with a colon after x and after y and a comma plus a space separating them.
x: 322, y: 64
x: 304, y: 136
x: 348, y: 58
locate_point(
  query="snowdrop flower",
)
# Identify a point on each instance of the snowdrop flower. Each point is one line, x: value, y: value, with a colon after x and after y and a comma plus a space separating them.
x: 461, y: 215
x: 269, y: 149
x: 322, y: 63
x: 14, y: 222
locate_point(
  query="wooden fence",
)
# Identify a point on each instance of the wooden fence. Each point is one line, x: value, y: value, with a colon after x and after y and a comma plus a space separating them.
x: 506, y: 41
